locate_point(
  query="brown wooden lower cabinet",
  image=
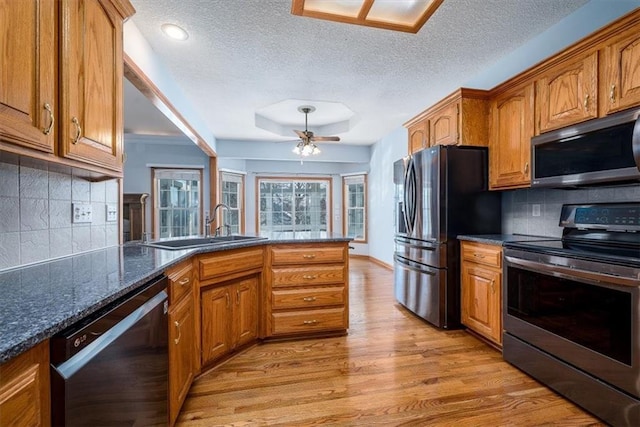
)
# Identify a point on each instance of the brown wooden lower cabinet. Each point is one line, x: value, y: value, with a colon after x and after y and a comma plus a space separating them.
x: 481, y: 290
x: 229, y: 317
x: 25, y: 389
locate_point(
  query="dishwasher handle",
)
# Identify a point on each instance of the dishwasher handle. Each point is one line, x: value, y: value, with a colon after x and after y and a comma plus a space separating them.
x: 69, y: 367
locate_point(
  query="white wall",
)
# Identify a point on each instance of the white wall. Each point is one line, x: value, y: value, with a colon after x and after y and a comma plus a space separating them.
x: 381, y: 192
x: 139, y: 50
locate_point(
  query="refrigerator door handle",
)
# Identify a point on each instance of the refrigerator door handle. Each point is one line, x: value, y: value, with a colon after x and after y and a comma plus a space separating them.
x: 407, y: 201
x: 427, y: 246
x: 410, y: 194
x: 415, y: 266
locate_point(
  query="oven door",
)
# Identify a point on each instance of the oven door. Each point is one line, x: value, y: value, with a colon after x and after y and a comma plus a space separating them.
x: 586, y: 318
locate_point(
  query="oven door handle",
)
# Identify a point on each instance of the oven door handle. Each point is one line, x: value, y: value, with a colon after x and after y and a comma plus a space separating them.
x: 572, y: 273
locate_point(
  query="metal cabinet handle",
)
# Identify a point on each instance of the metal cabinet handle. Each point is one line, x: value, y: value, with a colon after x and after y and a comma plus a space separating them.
x: 78, y: 130
x: 309, y: 256
x: 228, y: 299
x: 52, y: 120
x: 526, y: 167
x: 177, y: 325
x: 586, y: 102
x: 184, y: 281
x: 309, y: 322
x: 309, y: 276
x: 478, y: 255
x: 237, y: 296
x: 493, y: 289
x: 309, y: 299
x: 612, y: 94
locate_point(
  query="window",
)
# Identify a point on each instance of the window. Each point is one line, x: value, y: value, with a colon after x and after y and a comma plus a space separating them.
x: 288, y: 206
x: 354, y: 191
x: 232, y: 195
x: 177, y: 202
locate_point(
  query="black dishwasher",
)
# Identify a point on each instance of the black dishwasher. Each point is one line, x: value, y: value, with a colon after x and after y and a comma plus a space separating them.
x: 110, y: 369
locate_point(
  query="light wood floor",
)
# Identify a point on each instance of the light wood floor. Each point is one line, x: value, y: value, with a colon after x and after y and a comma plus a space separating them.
x: 392, y: 369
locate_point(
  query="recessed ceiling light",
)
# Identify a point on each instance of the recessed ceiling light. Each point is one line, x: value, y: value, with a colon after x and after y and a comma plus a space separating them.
x: 174, y: 32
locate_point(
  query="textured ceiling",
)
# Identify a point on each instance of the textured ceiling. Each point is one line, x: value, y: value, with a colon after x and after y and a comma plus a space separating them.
x: 244, y: 55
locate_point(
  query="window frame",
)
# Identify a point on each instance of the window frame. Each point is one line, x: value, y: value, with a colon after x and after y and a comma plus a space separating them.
x: 293, y: 179
x: 346, y: 207
x: 241, y: 196
x: 155, y: 201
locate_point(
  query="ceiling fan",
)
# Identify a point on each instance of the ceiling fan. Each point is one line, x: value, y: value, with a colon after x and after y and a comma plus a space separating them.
x: 306, y: 145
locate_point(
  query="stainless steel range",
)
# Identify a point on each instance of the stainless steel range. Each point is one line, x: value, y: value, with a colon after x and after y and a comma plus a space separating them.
x: 571, y: 309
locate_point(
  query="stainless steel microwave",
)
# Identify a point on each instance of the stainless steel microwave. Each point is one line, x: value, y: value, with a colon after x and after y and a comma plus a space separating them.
x: 600, y: 151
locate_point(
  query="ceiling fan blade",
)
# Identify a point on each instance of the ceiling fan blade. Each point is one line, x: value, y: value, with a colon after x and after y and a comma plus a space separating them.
x: 300, y: 134
x: 325, y: 138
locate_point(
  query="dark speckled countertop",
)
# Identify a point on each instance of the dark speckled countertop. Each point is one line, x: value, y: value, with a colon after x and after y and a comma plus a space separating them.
x: 42, y: 299
x: 501, y: 239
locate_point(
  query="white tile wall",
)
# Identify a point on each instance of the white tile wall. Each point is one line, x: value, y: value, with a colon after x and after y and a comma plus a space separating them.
x: 35, y: 211
x: 517, y: 206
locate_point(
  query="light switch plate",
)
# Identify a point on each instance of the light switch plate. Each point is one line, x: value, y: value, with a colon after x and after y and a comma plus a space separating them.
x: 81, y: 213
x: 112, y: 212
x: 535, y: 210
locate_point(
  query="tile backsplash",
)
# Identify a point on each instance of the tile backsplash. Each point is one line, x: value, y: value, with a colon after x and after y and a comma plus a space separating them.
x: 519, y: 206
x: 36, y: 207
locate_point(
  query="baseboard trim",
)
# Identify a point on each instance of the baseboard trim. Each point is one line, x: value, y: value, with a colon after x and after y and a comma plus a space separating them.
x: 373, y: 260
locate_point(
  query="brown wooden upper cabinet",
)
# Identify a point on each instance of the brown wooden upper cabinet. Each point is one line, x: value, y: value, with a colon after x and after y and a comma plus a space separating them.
x: 512, y: 126
x: 419, y: 136
x: 61, y: 84
x: 91, y: 75
x: 621, y: 88
x: 567, y: 94
x: 459, y: 119
x: 27, y: 84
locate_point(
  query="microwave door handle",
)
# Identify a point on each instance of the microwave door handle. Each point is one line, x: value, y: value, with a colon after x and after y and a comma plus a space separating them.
x: 572, y: 273
x: 635, y: 142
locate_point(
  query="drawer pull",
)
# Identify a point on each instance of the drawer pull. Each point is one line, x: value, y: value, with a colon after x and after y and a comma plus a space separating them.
x: 309, y: 256
x: 310, y: 322
x: 309, y: 299
x: 184, y: 281
x: 309, y: 276
x: 177, y: 325
x: 478, y: 256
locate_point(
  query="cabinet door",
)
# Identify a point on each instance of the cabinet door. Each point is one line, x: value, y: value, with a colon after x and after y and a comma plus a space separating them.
x: 28, y: 73
x: 91, y: 83
x: 568, y: 94
x: 418, y: 136
x: 510, y: 143
x: 444, y: 125
x: 25, y: 389
x: 245, y: 319
x: 182, y: 353
x: 481, y: 301
x: 623, y: 69
x: 216, y: 323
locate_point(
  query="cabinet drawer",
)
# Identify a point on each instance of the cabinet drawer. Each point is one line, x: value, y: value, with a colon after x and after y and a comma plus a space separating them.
x: 229, y: 262
x: 180, y: 281
x: 308, y: 321
x: 307, y: 255
x: 482, y: 253
x: 311, y: 297
x: 316, y: 275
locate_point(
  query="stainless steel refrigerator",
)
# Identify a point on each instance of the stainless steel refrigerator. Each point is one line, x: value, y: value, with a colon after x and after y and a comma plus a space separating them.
x: 440, y: 192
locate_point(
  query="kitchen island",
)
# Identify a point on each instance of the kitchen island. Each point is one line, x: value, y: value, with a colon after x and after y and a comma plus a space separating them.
x: 234, y: 294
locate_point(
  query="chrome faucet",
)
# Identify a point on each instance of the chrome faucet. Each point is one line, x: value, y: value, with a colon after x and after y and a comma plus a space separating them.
x: 208, y: 221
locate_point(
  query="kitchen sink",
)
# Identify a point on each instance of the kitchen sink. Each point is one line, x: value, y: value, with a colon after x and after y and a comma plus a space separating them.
x: 196, y: 242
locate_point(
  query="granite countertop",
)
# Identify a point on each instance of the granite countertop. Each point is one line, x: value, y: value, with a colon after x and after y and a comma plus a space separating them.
x: 501, y: 239
x: 42, y: 299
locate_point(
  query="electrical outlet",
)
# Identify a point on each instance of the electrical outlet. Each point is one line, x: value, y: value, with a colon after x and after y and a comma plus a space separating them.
x: 81, y: 213
x: 112, y: 212
x: 535, y: 210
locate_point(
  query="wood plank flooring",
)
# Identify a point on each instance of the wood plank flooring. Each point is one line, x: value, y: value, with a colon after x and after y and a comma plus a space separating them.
x: 392, y: 369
